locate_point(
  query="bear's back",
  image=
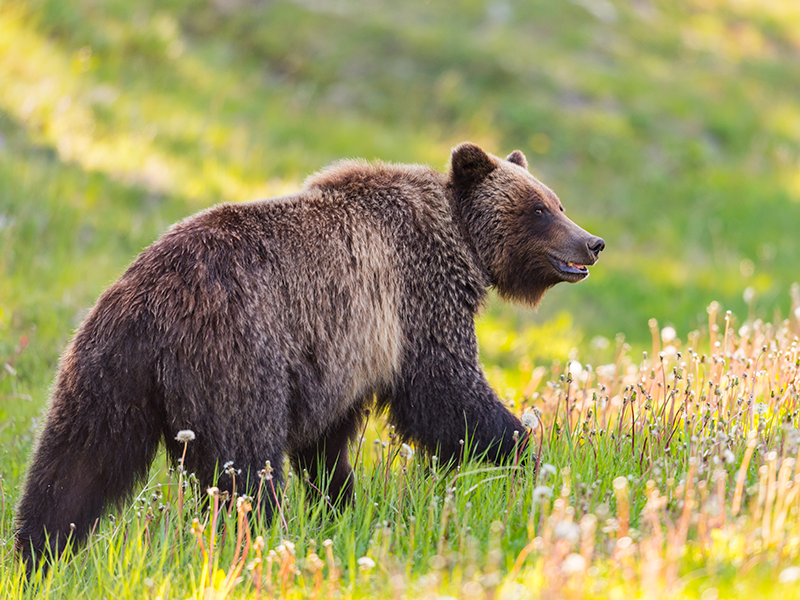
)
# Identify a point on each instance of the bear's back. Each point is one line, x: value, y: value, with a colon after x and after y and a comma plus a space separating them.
x: 317, y: 279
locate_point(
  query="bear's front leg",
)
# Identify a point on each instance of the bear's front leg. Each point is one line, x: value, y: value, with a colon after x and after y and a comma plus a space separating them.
x: 440, y: 399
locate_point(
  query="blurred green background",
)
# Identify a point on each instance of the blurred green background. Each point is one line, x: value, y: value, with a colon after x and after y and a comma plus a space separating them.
x: 669, y: 127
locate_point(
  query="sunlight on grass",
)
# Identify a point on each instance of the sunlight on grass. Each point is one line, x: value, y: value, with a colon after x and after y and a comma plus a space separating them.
x: 41, y: 86
x: 672, y: 129
x: 679, y: 473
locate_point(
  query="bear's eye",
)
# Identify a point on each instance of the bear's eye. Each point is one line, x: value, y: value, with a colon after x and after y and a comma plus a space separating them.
x: 538, y: 211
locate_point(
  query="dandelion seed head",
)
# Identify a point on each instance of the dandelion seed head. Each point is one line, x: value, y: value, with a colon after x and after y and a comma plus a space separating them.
x: 406, y: 452
x: 793, y: 437
x: 607, y: 371
x: 314, y: 562
x: 789, y: 575
x: 365, y: 563
x: 185, y: 436
x: 668, y: 334
x: 573, y: 563
x: 567, y: 530
x: 530, y: 420
x: 541, y: 492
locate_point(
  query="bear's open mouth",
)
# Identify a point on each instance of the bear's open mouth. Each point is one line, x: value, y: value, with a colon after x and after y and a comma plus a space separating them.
x: 572, y: 270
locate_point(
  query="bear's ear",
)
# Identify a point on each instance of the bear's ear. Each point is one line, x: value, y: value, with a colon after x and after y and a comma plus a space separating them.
x: 469, y: 164
x: 518, y: 158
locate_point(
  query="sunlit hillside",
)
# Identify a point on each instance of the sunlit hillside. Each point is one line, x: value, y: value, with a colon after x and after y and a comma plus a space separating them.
x: 671, y: 128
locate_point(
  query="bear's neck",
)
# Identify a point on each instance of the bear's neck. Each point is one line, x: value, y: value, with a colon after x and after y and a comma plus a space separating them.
x: 462, y: 221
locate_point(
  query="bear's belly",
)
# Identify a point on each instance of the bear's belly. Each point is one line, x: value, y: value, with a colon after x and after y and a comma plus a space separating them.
x: 335, y: 369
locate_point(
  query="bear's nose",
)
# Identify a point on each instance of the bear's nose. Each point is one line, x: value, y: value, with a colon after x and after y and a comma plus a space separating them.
x: 596, y: 245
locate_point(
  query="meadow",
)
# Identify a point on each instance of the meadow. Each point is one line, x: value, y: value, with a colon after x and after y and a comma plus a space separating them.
x: 672, y: 129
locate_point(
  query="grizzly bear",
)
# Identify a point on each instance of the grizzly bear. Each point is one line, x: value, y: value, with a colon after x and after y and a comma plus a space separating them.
x: 269, y: 327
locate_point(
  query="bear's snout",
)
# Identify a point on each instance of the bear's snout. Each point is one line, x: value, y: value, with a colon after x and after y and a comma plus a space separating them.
x: 595, y: 245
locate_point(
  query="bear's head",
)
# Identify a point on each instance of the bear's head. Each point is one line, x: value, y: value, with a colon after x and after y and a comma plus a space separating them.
x: 518, y: 225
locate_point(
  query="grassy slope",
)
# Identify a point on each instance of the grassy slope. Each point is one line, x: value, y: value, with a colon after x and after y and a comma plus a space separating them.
x: 670, y: 128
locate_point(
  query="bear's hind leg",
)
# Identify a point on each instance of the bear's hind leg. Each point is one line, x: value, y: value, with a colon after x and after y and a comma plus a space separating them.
x: 92, y: 450
x: 327, y: 462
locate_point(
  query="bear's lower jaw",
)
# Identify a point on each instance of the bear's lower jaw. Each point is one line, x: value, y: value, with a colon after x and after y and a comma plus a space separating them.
x: 569, y: 271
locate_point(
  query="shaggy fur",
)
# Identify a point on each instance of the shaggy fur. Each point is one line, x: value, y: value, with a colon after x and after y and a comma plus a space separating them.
x: 268, y: 328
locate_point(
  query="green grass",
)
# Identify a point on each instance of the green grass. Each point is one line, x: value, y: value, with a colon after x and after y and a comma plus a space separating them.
x: 672, y: 129
x: 676, y: 473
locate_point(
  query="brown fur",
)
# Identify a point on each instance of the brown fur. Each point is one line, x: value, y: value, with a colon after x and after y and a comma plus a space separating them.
x: 268, y: 327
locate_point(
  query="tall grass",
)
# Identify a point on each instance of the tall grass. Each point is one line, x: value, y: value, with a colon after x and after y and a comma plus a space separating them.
x: 669, y: 475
